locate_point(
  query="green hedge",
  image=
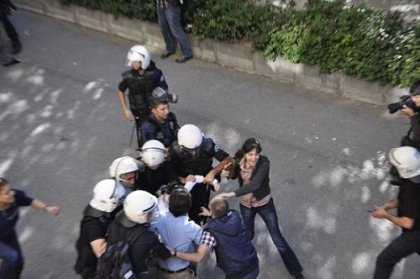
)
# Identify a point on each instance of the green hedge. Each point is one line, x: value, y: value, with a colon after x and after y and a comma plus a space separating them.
x: 355, y: 39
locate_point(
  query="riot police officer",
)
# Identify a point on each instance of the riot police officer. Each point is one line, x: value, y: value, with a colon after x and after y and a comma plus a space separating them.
x: 125, y: 172
x: 192, y: 154
x: 132, y: 224
x: 140, y: 81
x: 97, y: 216
x: 157, y: 171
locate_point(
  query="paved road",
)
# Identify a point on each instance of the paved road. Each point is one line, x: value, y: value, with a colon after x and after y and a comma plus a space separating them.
x: 61, y: 127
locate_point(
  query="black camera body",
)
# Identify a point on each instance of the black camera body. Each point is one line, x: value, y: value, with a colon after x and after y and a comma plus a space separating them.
x: 168, y: 188
x: 405, y: 101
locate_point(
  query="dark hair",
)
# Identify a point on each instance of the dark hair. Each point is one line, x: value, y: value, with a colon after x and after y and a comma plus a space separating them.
x: 179, y: 202
x: 155, y: 102
x: 219, y: 207
x: 415, y: 88
x: 3, y: 182
x: 247, y: 146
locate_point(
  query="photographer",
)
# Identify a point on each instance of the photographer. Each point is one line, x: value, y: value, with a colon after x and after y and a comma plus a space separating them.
x: 410, y: 106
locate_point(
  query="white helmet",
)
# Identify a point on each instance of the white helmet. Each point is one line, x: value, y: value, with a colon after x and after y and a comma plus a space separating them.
x: 153, y: 153
x: 190, y: 136
x: 123, y: 165
x: 407, y: 161
x: 106, y: 195
x: 139, y: 53
x: 138, y: 205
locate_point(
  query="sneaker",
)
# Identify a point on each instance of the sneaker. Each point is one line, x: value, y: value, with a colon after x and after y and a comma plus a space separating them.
x: 166, y: 54
x: 12, y: 62
x: 183, y: 59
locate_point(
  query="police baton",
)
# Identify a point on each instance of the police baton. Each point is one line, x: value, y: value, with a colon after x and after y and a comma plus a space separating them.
x: 132, y: 134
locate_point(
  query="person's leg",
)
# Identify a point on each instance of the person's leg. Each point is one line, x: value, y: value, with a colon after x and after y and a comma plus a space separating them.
x: 248, y: 215
x: 166, y: 31
x: 269, y: 215
x: 253, y: 274
x: 398, y: 249
x: 173, y: 17
x: 6, y: 58
x: 11, y: 33
x: 11, y: 261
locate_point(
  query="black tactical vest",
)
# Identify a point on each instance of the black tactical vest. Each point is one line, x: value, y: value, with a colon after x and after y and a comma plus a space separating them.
x: 140, y: 89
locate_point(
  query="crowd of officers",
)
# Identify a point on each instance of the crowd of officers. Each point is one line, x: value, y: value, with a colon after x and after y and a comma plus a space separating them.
x: 163, y: 195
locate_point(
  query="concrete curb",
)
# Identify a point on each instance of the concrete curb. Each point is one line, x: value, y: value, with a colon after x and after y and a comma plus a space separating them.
x: 238, y: 56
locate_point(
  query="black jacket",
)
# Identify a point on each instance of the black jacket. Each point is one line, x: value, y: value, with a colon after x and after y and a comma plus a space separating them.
x: 260, y: 180
x: 122, y: 228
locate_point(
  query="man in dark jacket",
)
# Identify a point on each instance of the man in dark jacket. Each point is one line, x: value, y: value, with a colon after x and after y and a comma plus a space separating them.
x: 413, y: 135
x: 161, y: 124
x: 226, y: 233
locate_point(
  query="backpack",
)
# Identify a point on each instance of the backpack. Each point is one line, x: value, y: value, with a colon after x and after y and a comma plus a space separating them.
x: 115, y: 263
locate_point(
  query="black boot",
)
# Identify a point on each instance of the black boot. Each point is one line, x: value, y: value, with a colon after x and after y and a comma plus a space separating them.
x: 16, y: 47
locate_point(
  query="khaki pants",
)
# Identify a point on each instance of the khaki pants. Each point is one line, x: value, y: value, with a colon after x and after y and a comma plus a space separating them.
x: 186, y: 274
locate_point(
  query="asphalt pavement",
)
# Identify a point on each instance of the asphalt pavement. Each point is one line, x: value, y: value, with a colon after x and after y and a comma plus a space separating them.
x: 61, y: 127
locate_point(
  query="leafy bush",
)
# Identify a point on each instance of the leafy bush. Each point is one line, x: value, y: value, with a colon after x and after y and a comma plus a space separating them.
x: 226, y: 20
x: 355, y: 39
x: 336, y: 36
x: 139, y: 9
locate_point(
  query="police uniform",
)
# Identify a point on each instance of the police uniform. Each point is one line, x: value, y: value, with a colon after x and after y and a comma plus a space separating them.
x: 151, y: 180
x: 409, y: 241
x: 140, y: 250
x: 140, y: 89
x: 165, y: 132
x: 184, y: 165
x: 93, y: 226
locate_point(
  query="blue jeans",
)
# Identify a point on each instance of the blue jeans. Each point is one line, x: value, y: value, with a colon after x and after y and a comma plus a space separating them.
x: 269, y: 216
x: 253, y: 274
x: 170, y: 26
x: 11, y: 259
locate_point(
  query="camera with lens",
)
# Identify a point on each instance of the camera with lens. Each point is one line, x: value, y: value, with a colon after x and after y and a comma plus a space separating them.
x: 159, y: 94
x: 405, y: 101
x: 168, y: 188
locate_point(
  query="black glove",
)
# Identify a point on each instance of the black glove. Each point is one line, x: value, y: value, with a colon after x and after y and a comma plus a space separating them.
x: 161, y: 252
